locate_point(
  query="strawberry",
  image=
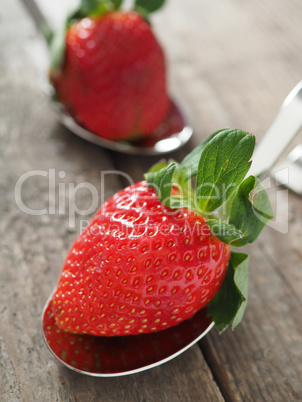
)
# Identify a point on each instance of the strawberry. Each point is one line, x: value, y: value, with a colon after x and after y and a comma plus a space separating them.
x: 112, y: 76
x: 139, y: 278
x: 157, y: 252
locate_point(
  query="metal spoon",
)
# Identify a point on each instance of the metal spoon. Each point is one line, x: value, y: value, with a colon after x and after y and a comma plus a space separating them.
x: 117, y: 356
x: 172, y: 134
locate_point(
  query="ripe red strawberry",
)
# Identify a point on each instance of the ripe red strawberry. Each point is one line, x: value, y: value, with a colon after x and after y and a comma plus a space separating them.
x: 149, y: 259
x: 139, y: 267
x: 112, y: 78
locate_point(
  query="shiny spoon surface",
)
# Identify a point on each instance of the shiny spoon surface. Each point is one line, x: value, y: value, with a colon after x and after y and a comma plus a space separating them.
x: 116, y: 356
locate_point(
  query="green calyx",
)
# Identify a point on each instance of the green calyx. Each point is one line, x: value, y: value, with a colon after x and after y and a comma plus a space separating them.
x: 94, y: 8
x: 235, y: 206
x: 146, y: 7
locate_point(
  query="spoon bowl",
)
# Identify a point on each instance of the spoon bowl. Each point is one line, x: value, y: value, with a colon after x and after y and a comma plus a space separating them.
x: 100, y: 356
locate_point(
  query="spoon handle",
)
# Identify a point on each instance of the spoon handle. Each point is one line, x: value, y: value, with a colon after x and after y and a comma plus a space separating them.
x: 40, y: 20
x: 281, y: 132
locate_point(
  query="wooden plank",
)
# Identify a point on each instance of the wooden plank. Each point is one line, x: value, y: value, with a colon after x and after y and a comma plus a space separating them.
x: 231, y: 64
x: 283, y: 249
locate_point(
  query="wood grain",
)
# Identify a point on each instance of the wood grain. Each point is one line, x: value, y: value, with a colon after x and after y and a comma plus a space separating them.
x: 230, y: 63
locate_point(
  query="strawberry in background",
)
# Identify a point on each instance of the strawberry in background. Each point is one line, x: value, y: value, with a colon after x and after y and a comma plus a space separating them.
x: 108, y: 69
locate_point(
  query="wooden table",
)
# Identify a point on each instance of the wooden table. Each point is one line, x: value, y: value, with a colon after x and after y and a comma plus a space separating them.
x: 231, y: 64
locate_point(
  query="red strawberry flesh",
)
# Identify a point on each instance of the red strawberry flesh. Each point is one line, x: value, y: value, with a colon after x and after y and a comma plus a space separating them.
x: 113, y: 79
x: 139, y: 267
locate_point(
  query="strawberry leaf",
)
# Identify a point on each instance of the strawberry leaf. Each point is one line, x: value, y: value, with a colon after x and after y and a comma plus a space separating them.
x: 146, y: 7
x: 240, y: 263
x: 225, y: 232
x: 230, y: 302
x: 92, y: 8
x: 161, y: 181
x: 189, y: 166
x: 158, y: 166
x: 117, y: 4
x: 250, y: 210
x: 223, y: 164
x: 180, y: 201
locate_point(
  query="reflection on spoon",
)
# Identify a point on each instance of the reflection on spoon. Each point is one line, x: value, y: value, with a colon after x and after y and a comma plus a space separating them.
x: 170, y: 135
x: 100, y: 356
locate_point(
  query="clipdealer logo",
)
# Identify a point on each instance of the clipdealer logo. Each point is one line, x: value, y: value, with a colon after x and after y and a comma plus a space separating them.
x: 63, y: 197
